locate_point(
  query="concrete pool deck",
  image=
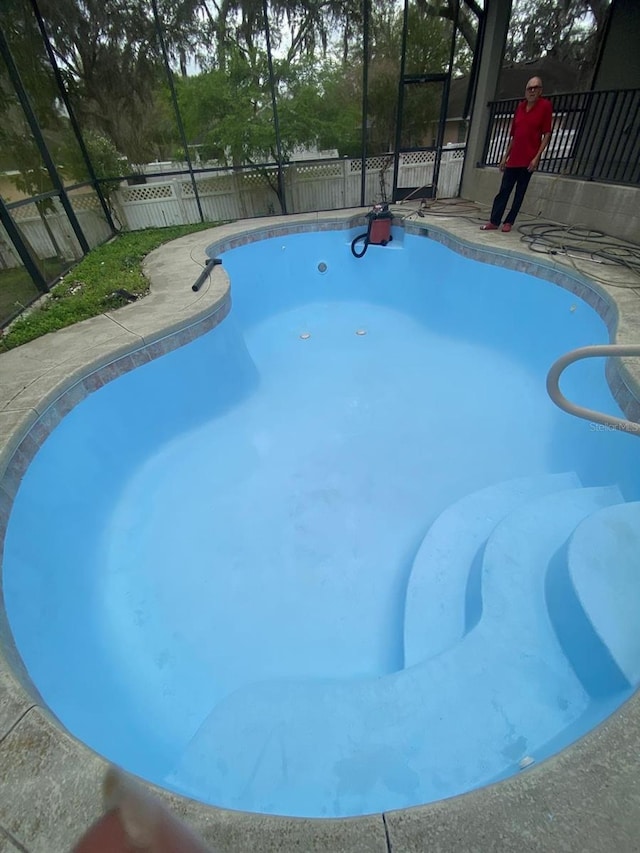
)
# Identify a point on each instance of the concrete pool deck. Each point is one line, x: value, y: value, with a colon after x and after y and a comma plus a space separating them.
x: 587, y: 798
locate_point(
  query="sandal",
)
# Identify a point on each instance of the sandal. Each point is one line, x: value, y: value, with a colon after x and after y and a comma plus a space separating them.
x: 488, y: 226
x: 506, y: 227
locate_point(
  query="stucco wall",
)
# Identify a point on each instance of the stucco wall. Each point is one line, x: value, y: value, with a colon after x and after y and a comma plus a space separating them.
x: 603, y: 207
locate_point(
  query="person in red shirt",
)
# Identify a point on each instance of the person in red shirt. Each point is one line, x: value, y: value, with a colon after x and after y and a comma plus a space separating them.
x: 529, y: 136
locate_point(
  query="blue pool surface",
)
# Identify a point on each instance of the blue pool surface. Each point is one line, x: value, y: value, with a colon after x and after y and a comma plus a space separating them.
x: 341, y: 554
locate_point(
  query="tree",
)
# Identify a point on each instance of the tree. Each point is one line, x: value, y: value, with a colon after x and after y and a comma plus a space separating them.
x: 300, y: 29
x: 428, y: 48
x: 468, y: 16
x: 230, y: 113
x: 569, y: 30
x: 339, y: 109
x: 106, y: 160
x: 109, y: 55
x: 19, y: 150
x: 23, y: 38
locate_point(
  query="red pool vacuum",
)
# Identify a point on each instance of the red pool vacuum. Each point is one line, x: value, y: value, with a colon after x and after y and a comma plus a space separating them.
x: 378, y: 231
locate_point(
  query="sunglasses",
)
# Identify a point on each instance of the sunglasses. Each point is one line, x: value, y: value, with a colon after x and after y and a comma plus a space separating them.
x: 533, y: 88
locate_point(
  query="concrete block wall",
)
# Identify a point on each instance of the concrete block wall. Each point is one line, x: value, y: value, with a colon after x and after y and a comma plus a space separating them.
x: 602, y: 207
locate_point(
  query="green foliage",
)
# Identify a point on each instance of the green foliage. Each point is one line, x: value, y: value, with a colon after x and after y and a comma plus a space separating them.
x: 90, y: 288
x: 32, y: 178
x: 105, y: 158
x: 567, y: 31
x: 109, y: 54
x: 339, y: 110
x: 19, y: 151
x: 231, y: 115
x: 340, y: 106
x: 300, y: 30
x: 16, y: 291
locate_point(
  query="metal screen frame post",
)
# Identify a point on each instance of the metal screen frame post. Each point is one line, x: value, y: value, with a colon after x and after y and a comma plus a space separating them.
x: 176, y: 108
x: 366, y: 7
x: 38, y: 138
x: 22, y: 249
x: 403, y: 65
x: 274, y: 104
x: 72, y: 116
x: 444, y: 105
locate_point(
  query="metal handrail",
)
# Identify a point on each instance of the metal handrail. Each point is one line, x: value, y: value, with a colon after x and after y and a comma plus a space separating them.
x: 560, y: 400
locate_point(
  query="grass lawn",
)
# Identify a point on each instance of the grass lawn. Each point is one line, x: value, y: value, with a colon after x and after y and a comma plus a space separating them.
x: 89, y: 289
x: 17, y: 290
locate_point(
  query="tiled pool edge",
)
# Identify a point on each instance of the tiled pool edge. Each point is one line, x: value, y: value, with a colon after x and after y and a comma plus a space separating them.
x: 236, y: 831
x: 623, y: 382
x: 58, y: 403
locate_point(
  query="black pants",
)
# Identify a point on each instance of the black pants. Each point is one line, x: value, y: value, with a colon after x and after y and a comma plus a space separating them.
x: 519, y: 177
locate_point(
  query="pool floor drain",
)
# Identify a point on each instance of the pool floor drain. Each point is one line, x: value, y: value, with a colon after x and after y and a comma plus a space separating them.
x: 361, y: 331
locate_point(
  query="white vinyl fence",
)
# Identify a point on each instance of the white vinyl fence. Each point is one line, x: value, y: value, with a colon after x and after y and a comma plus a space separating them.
x: 50, y: 234
x: 309, y: 186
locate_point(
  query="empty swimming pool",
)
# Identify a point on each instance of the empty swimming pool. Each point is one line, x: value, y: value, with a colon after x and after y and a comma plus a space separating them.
x: 341, y: 554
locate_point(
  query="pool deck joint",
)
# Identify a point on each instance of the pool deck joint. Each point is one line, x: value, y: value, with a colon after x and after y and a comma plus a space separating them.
x: 586, y: 798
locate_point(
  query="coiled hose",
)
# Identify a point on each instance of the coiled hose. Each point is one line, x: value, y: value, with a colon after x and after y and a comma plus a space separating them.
x: 356, y: 240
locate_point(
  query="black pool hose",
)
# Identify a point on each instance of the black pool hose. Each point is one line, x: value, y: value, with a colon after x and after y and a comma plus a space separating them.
x: 356, y: 240
x: 211, y: 263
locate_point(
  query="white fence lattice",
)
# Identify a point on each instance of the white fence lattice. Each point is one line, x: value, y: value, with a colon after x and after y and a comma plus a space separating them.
x: 309, y: 186
x: 50, y: 234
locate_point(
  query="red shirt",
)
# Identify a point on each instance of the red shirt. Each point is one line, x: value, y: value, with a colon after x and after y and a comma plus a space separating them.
x: 527, y: 129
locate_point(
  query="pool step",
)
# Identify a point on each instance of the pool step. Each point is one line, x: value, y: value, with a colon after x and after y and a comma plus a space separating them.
x: 435, y: 600
x: 604, y: 569
x: 450, y: 723
x: 514, y: 568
